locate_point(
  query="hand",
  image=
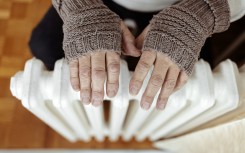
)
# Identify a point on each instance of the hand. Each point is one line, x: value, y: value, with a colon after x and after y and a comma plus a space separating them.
x: 88, y: 73
x: 166, y: 75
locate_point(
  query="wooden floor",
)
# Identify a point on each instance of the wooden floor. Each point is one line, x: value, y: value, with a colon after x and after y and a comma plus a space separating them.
x: 18, y: 127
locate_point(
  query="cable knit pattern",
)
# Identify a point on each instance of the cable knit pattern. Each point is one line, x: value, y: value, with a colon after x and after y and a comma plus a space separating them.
x: 181, y: 30
x: 89, y: 26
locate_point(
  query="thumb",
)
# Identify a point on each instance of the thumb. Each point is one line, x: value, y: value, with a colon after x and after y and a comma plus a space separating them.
x: 140, y: 39
x: 129, y: 42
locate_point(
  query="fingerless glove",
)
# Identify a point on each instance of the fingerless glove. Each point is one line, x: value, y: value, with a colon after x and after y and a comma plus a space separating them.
x: 89, y: 26
x: 180, y: 31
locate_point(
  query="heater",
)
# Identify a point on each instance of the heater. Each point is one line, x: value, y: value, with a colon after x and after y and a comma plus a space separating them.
x: 208, y: 95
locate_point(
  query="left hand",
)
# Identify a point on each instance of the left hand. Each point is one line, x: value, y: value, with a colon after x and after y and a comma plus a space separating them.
x: 166, y: 75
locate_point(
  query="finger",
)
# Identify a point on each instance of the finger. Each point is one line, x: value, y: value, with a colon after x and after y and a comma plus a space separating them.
x: 140, y: 39
x: 155, y: 82
x: 113, y: 70
x: 168, y: 86
x: 98, y: 77
x: 74, y: 76
x: 129, y: 42
x: 182, y: 79
x: 85, y: 79
x: 146, y: 61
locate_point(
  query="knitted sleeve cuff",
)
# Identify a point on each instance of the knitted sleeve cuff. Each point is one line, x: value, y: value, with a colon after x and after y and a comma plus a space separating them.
x: 66, y: 7
x: 181, y: 30
x: 221, y: 12
x: 89, y: 26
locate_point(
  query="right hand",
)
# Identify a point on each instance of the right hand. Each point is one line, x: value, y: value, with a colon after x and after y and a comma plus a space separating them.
x: 88, y: 73
x: 166, y: 75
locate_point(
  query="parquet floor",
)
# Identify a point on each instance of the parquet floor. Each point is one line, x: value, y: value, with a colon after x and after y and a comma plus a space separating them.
x: 18, y: 127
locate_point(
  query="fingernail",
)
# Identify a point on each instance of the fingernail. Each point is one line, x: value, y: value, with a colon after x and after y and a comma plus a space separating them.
x: 134, y: 90
x: 85, y: 100
x: 96, y: 103
x: 76, y: 88
x: 161, y: 106
x: 145, y: 105
x: 97, y: 95
x: 85, y: 97
x: 111, y: 93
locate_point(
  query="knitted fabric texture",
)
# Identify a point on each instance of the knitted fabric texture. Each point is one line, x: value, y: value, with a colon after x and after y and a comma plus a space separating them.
x: 89, y: 26
x: 180, y: 31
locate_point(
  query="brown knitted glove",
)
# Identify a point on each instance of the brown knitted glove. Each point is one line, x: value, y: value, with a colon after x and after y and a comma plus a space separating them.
x: 181, y: 30
x: 89, y: 26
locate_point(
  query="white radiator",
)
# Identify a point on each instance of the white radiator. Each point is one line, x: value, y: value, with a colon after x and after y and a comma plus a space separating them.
x: 206, y: 96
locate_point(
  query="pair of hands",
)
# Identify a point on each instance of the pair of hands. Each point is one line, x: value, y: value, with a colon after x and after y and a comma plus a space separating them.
x: 88, y: 73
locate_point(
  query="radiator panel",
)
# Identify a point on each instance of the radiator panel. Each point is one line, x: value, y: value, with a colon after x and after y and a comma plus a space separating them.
x: 206, y: 96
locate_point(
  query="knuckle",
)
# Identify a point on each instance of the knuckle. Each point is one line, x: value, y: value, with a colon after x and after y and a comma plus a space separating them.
x: 73, y: 69
x: 74, y: 78
x: 73, y: 74
x: 85, y: 91
x: 73, y: 64
x: 175, y: 69
x: 167, y: 60
x: 114, y: 67
x: 98, y: 87
x: 99, y: 72
x: 112, y: 79
x: 169, y: 84
x: 115, y: 56
x: 85, y: 71
x: 148, y: 98
x: 148, y: 54
x: 136, y: 83
x: 163, y: 98
x: 97, y: 93
x: 165, y: 65
x: 112, y: 83
x: 157, y: 80
x: 143, y: 66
